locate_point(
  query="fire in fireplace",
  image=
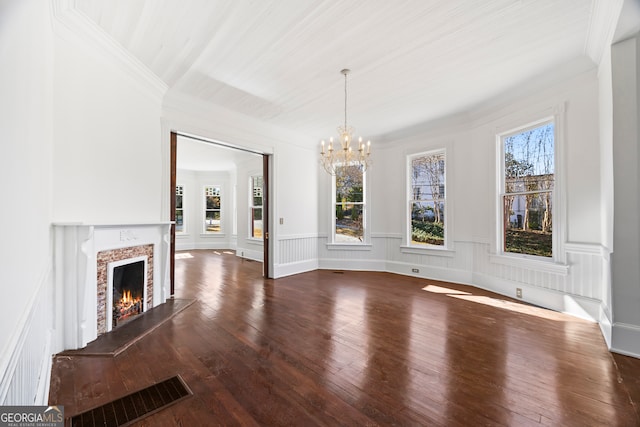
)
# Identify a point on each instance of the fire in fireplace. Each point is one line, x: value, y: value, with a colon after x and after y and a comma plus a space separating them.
x: 128, y: 292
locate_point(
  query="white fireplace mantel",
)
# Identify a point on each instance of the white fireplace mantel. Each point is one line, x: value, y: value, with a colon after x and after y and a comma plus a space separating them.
x: 76, y: 248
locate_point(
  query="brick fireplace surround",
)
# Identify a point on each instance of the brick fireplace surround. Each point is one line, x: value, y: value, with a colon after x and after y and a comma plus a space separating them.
x: 102, y: 262
x: 83, y: 253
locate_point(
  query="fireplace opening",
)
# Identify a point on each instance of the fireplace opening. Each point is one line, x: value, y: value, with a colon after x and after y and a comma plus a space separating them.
x: 128, y: 292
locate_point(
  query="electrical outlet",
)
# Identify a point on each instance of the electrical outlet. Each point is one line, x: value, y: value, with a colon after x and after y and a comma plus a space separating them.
x: 518, y: 292
x: 281, y: 221
x: 415, y: 270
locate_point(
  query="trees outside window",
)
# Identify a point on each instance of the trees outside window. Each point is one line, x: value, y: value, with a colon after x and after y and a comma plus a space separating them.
x: 427, y: 199
x: 528, y: 166
x: 349, y: 204
x: 180, y: 223
x: 212, y: 212
x: 256, y: 183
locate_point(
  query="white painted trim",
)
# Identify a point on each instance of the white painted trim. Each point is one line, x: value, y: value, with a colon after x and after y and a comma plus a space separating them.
x: 627, y: 337
x: 604, y: 18
x: 299, y: 236
x: 430, y: 272
x: 283, y: 270
x: 44, y: 379
x: 431, y: 251
x: 530, y: 263
x: 15, y: 347
x: 250, y: 254
x: 110, y: 271
x: 575, y: 305
x: 84, y: 30
x: 350, y: 264
x: 587, y: 249
x: 605, y: 325
x: 349, y: 246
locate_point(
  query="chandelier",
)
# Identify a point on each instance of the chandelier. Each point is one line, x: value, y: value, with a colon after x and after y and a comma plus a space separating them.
x: 343, y: 153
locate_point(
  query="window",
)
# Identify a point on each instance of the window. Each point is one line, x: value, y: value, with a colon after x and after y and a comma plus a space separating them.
x: 427, y: 199
x: 256, y: 206
x: 349, y: 205
x: 527, y: 186
x: 180, y: 226
x: 212, y: 222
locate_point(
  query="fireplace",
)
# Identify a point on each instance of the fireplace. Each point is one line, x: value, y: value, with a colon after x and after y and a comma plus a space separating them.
x: 87, y: 257
x: 126, y: 294
x: 112, y: 262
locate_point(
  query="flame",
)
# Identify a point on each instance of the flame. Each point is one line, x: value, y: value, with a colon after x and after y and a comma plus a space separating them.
x: 128, y: 300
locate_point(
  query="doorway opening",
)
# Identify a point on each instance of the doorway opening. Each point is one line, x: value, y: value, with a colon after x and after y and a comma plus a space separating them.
x: 219, y: 199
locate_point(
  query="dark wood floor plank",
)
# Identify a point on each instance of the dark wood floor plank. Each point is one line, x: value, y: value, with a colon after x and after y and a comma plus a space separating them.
x: 359, y: 348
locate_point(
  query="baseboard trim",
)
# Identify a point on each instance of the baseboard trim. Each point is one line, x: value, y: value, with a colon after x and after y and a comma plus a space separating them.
x: 625, y: 339
x: 352, y: 264
x: 429, y: 272
x: 578, y: 306
x: 284, y: 270
x: 187, y: 246
x: 250, y: 254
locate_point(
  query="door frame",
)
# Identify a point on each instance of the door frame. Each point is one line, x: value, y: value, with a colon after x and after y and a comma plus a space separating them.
x: 266, y: 173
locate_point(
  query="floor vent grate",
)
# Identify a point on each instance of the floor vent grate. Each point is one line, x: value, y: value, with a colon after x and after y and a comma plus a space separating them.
x: 142, y: 403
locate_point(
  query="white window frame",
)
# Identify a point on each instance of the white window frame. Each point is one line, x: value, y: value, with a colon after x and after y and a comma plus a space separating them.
x: 204, y: 209
x: 440, y: 250
x: 366, y: 238
x: 184, y: 217
x: 252, y: 207
x: 557, y: 262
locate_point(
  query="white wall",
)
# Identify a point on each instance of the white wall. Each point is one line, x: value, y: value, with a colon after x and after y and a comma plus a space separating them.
x: 247, y: 247
x: 625, y: 265
x: 107, y: 156
x: 26, y: 63
x: 193, y: 203
x: 574, y: 283
x: 294, y: 175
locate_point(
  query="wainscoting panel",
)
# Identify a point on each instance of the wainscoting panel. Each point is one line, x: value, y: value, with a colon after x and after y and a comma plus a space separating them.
x: 28, y: 369
x: 295, y: 249
x: 295, y: 254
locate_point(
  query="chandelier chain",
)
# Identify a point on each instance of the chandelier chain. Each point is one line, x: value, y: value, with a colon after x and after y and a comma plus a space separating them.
x: 345, y: 98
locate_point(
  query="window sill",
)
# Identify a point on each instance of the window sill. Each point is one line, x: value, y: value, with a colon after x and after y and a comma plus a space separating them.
x: 349, y: 246
x: 547, y: 266
x: 255, y: 240
x: 432, y: 251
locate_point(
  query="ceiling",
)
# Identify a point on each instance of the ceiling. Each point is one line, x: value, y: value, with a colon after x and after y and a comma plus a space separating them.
x: 197, y: 155
x: 412, y: 61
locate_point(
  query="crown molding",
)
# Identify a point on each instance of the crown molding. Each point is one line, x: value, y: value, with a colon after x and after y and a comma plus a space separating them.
x: 69, y: 21
x: 602, y: 25
x: 216, y: 122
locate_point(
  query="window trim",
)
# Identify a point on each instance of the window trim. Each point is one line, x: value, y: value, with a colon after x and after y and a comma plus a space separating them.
x: 555, y: 115
x: 184, y: 230
x: 366, y: 238
x: 447, y: 248
x: 203, y: 212
x: 251, y: 207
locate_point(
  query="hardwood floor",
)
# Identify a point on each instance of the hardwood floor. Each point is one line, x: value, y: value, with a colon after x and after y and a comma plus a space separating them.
x: 359, y: 348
